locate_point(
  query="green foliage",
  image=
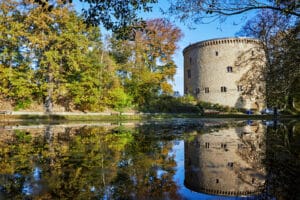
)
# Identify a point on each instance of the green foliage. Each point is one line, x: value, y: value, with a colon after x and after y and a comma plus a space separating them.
x: 23, y: 136
x: 218, y: 107
x: 146, y: 63
x: 119, y: 16
x: 169, y: 104
x: 119, y: 99
x: 22, y: 104
x: 50, y: 56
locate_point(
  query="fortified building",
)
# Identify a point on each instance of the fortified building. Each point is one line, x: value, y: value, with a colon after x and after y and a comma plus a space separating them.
x: 226, y: 71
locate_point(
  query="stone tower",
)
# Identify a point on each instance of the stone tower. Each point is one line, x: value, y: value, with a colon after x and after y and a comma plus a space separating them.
x: 227, y: 71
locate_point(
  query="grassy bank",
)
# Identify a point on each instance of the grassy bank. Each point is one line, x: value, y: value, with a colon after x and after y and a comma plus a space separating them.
x: 118, y: 117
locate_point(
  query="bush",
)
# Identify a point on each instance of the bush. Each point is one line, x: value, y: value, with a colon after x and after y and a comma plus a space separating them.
x: 169, y: 104
x: 22, y: 104
x: 119, y: 99
x: 218, y: 107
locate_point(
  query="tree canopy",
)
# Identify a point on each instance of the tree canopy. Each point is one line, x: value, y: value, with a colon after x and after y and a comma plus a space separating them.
x: 119, y: 16
x: 50, y: 57
x: 206, y: 11
x: 280, y: 38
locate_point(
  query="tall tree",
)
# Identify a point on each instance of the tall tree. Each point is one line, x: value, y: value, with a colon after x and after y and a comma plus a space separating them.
x: 16, y: 75
x: 278, y: 34
x: 150, y: 64
x: 44, y: 30
x: 69, y: 58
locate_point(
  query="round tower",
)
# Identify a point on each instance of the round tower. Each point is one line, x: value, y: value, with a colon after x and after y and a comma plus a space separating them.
x: 227, y: 71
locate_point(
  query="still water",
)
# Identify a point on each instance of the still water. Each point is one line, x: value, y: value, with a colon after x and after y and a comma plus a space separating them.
x: 173, y: 159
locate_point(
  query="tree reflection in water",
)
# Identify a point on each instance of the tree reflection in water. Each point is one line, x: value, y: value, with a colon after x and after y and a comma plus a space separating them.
x: 140, y: 162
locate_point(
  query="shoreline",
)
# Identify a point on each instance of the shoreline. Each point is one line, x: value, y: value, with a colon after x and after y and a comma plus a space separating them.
x: 120, y: 116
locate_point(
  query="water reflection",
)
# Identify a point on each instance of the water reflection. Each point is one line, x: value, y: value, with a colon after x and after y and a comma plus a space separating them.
x: 227, y: 161
x: 178, y: 159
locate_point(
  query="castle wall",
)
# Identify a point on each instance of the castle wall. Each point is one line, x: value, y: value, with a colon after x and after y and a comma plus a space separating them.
x: 227, y: 63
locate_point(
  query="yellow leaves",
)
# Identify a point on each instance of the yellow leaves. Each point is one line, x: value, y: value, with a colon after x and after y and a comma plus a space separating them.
x: 166, y: 87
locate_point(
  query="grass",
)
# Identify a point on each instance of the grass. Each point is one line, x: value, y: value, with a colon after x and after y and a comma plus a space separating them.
x: 116, y: 117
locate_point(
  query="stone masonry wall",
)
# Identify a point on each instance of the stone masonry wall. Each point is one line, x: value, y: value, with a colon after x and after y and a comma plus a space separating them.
x: 232, y: 63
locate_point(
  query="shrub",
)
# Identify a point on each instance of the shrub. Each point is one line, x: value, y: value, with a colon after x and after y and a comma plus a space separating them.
x: 22, y: 104
x: 169, y: 104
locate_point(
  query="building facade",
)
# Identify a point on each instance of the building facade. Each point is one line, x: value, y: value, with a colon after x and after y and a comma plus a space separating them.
x: 226, y: 71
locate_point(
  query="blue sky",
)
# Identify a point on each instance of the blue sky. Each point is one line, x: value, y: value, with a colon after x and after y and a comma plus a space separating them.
x: 198, y: 33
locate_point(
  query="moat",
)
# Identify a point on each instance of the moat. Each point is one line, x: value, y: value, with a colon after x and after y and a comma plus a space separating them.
x: 166, y: 159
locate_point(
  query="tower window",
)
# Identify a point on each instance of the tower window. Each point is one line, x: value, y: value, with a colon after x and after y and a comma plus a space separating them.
x: 206, y: 90
x: 239, y: 88
x: 189, y: 73
x: 217, y: 53
x: 229, y: 69
x: 197, y: 90
x: 186, y: 90
x: 223, y: 89
x: 207, y: 145
x: 252, y: 53
x: 190, y: 60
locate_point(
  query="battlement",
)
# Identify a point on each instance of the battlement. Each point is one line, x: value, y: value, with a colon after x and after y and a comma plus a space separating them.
x: 218, y: 41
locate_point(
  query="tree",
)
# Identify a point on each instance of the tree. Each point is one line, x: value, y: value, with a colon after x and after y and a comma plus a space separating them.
x: 69, y: 58
x: 149, y: 65
x: 206, y: 11
x: 16, y: 76
x: 119, y: 16
x: 278, y: 34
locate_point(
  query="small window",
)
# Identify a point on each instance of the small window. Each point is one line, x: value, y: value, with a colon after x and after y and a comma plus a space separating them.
x: 229, y: 69
x: 207, y: 145
x: 189, y: 73
x: 217, y: 53
x: 190, y: 60
x: 217, y: 180
x: 239, y: 88
x: 230, y: 164
x: 223, y: 89
x: 206, y: 90
x: 252, y: 53
x: 186, y: 90
x: 197, y: 90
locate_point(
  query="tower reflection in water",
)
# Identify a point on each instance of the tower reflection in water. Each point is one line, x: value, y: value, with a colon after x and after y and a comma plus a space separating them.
x: 226, y: 161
